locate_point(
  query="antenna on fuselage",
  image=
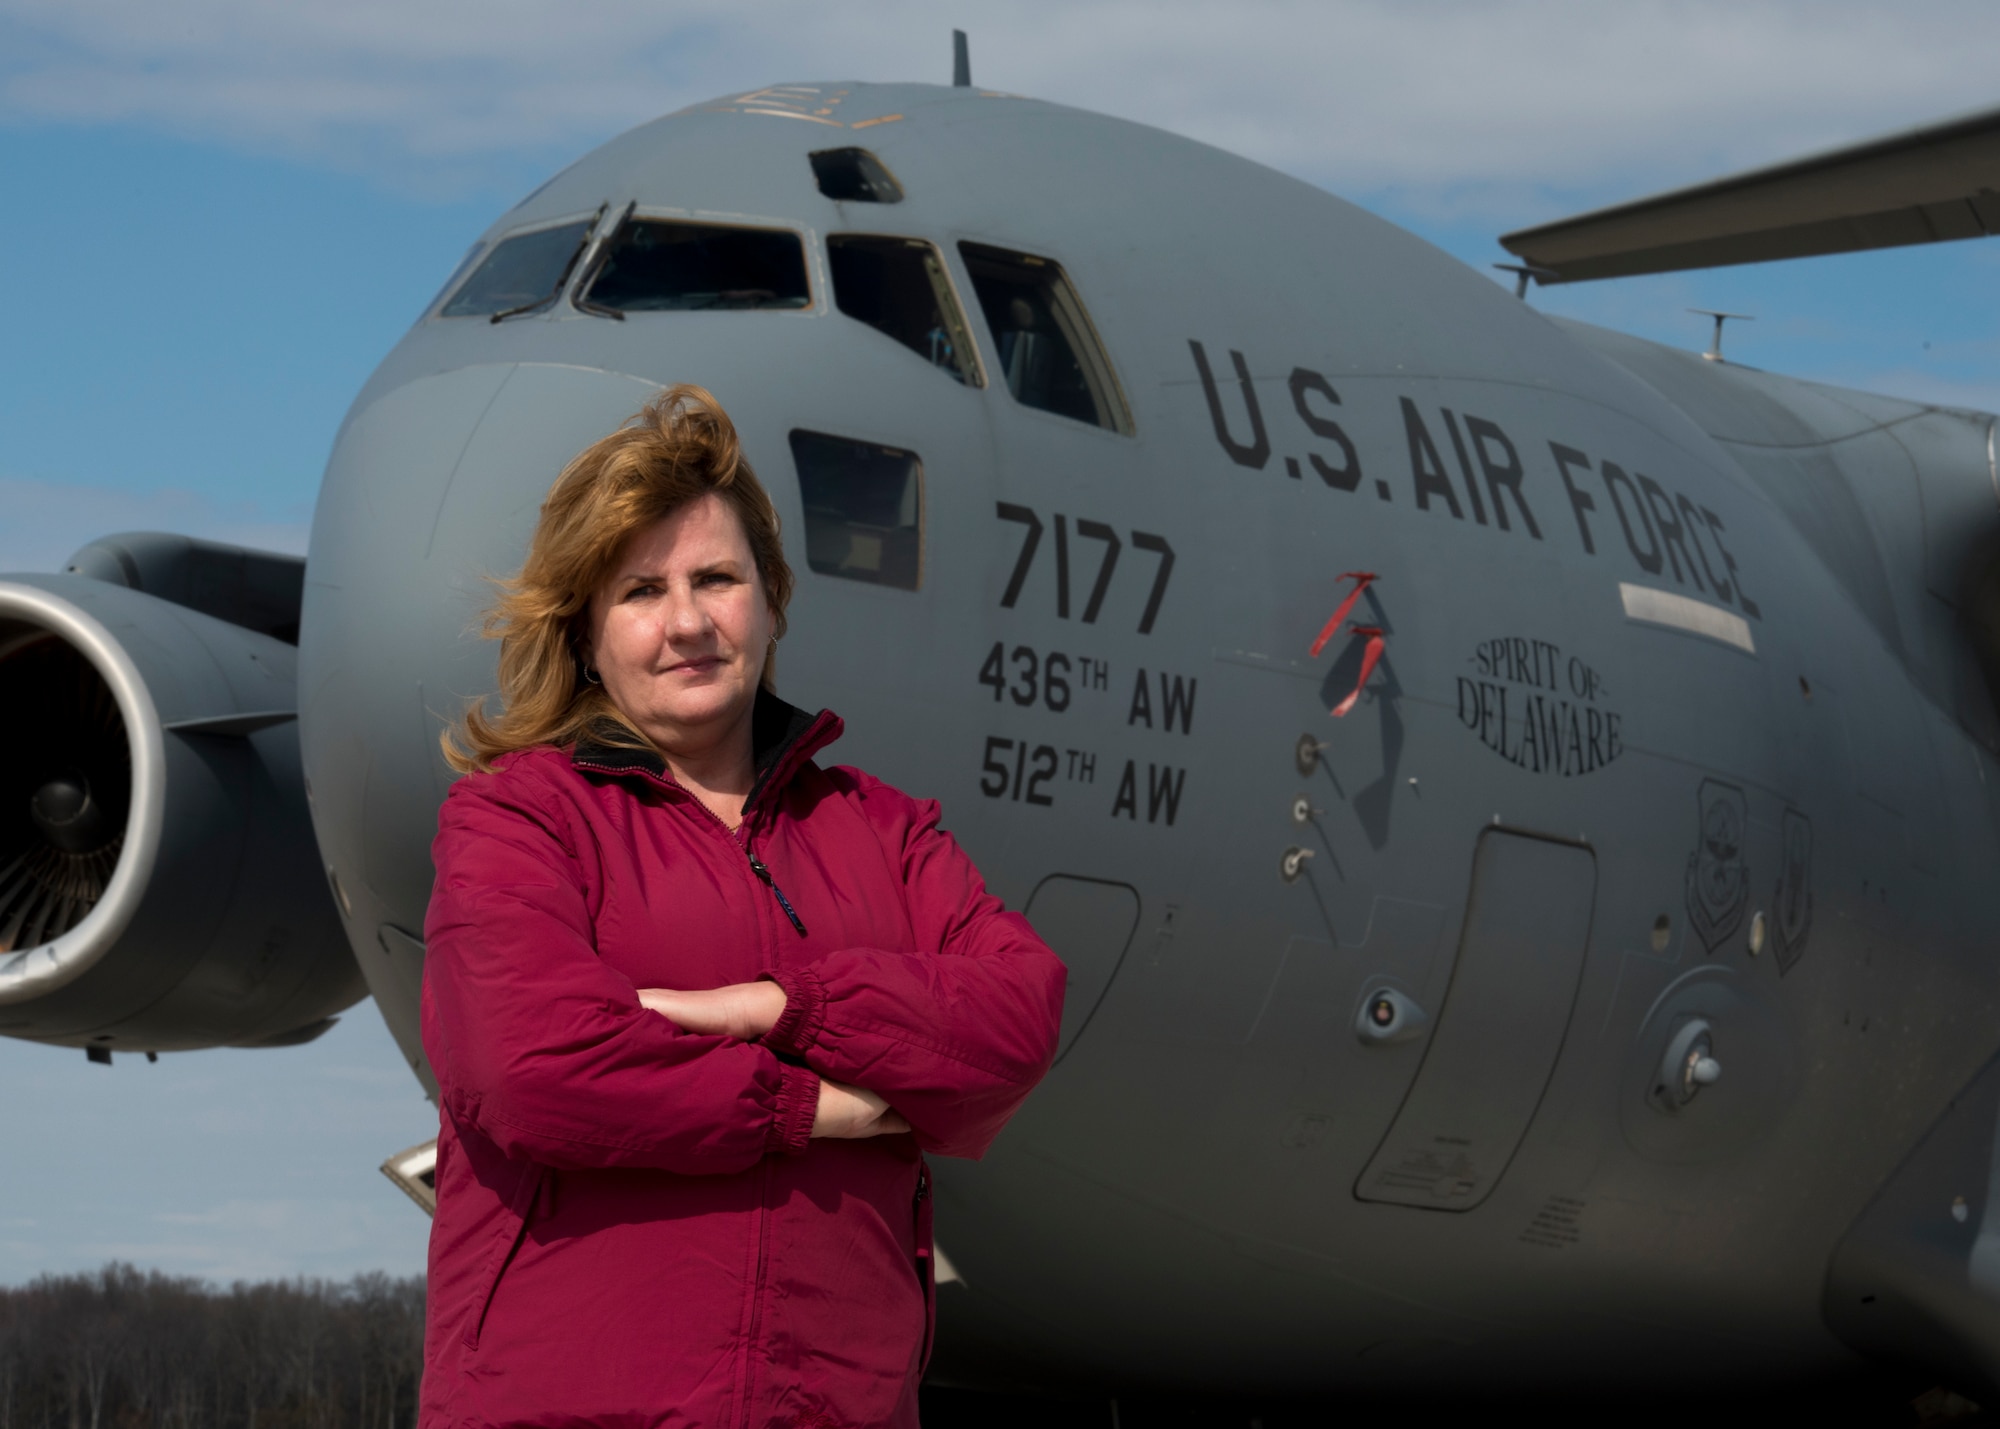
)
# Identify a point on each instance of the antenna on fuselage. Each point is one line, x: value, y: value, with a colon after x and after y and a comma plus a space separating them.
x: 1714, y: 353
x: 961, y: 61
x: 1522, y: 273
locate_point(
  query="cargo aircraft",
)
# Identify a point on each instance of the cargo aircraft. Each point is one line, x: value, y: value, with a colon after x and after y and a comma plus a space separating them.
x: 1518, y: 803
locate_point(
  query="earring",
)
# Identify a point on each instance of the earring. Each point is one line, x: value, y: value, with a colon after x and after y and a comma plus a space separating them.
x: 591, y: 676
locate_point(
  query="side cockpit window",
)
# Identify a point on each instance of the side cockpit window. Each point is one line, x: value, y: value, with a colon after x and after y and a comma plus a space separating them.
x: 658, y: 265
x: 864, y: 507
x: 899, y: 287
x: 521, y: 273
x: 1043, y: 339
x: 464, y: 266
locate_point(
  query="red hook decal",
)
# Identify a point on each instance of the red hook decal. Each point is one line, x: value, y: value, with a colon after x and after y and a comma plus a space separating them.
x: 1362, y: 580
x: 1369, y: 657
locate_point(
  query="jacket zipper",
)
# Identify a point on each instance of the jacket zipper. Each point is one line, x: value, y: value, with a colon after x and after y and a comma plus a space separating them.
x: 737, y: 836
x: 763, y: 873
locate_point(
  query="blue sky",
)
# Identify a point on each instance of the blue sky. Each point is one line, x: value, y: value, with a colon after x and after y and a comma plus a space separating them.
x: 220, y: 214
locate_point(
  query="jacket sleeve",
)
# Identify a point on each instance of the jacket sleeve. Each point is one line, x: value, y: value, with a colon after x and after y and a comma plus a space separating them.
x: 956, y: 1036
x: 545, y: 1049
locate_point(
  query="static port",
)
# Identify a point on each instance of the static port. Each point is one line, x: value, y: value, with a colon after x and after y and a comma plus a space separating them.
x: 1387, y: 1017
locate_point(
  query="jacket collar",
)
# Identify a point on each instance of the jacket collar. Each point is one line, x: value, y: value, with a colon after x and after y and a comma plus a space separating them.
x: 782, y: 737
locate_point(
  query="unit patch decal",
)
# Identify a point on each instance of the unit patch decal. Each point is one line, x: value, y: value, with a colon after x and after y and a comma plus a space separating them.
x: 1718, y: 878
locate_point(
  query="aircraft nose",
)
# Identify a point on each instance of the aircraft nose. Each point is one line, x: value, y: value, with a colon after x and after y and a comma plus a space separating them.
x: 430, y: 495
x: 540, y: 417
x: 453, y: 465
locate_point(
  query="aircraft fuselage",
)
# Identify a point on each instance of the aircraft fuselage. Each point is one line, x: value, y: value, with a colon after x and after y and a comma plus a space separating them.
x: 1667, y: 723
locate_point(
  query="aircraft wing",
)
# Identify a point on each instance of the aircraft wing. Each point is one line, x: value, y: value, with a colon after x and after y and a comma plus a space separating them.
x: 1924, y: 185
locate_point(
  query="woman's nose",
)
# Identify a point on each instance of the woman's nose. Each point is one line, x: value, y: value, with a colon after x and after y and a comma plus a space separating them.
x: 686, y: 617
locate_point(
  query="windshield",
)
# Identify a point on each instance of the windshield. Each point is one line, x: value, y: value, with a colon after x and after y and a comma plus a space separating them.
x: 521, y: 272
x: 653, y: 265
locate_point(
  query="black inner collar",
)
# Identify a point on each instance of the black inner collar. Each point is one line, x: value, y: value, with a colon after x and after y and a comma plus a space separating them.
x: 775, y: 726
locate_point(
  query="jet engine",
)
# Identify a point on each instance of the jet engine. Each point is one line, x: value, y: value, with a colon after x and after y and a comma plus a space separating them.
x: 160, y: 885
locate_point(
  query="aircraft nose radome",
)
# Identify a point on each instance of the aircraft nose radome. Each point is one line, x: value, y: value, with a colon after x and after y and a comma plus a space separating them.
x: 541, y: 417
x: 431, y: 493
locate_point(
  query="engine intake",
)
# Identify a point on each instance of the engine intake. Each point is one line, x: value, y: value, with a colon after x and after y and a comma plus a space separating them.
x: 160, y: 885
x: 64, y: 795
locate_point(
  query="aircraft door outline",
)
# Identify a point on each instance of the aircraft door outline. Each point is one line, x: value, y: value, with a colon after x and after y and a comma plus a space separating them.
x: 1500, y: 1028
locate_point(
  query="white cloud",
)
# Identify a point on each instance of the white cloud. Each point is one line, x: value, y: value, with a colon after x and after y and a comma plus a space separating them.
x: 1463, y: 104
x: 42, y: 523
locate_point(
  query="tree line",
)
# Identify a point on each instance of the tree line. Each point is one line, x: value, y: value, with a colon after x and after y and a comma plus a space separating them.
x: 125, y: 1349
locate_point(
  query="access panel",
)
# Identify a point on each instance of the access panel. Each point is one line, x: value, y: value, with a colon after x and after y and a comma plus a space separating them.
x: 1520, y: 958
x: 1088, y: 923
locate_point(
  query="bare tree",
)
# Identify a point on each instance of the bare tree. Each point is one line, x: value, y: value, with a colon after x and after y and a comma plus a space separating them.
x: 122, y: 1349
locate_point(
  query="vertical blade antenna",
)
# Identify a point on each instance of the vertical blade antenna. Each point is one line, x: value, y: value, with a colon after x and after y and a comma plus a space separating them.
x: 1714, y: 353
x: 961, y: 61
x: 1523, y: 272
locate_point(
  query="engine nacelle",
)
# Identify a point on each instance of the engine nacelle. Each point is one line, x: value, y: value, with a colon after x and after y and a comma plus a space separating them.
x: 160, y: 885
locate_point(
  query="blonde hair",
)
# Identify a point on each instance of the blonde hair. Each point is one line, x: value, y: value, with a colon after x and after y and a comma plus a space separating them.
x: 680, y: 447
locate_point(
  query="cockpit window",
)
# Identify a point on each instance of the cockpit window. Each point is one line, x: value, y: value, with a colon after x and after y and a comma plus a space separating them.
x: 864, y: 506
x: 464, y: 267
x: 899, y: 286
x: 1043, y: 337
x: 655, y: 265
x: 521, y: 272
x: 854, y: 176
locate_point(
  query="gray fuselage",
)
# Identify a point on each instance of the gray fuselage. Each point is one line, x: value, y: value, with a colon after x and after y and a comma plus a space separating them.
x: 1670, y: 663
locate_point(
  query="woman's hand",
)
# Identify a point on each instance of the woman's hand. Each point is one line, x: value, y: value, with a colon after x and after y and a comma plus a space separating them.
x: 744, y: 1009
x: 851, y: 1113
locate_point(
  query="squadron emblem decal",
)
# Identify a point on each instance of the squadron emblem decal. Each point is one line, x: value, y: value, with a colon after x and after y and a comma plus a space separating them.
x: 1793, y: 897
x: 1718, y: 879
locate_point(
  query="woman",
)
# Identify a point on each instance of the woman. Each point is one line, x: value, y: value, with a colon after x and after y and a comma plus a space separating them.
x: 695, y: 1005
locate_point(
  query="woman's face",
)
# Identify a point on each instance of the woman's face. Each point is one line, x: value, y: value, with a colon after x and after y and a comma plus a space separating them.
x: 680, y: 629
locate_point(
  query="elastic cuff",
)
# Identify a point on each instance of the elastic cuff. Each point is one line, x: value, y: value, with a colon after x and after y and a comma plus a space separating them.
x: 798, y: 1105
x: 797, y: 1028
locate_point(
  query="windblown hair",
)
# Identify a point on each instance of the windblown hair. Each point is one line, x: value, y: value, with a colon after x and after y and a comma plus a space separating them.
x: 679, y: 448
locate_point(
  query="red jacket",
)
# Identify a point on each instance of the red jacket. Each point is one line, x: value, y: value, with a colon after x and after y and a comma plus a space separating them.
x: 633, y: 1226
